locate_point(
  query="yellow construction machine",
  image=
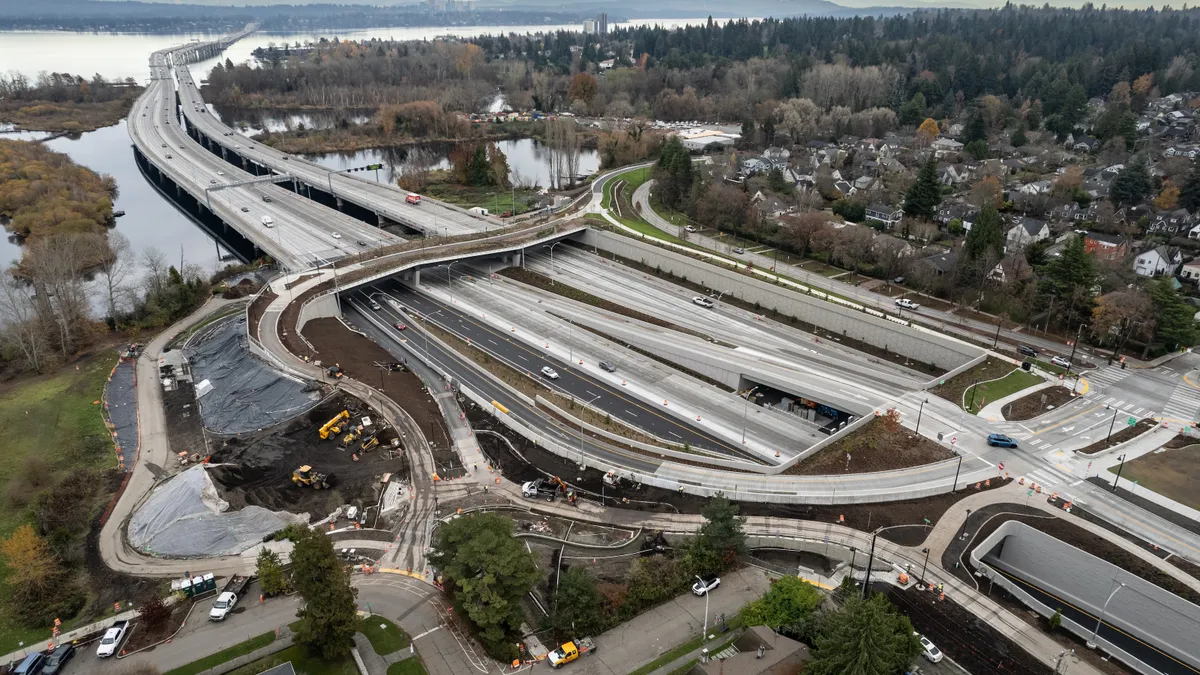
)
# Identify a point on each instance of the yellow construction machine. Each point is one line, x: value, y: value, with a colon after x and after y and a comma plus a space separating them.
x: 305, y: 476
x: 370, y: 442
x: 349, y: 438
x: 333, y: 426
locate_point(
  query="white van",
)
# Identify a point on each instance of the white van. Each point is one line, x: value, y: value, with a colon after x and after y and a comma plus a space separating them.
x: 268, y: 221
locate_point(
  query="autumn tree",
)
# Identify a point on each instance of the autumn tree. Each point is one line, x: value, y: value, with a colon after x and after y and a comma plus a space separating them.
x: 1121, y: 315
x: 153, y: 613
x: 1168, y: 199
x: 985, y: 191
x: 583, y: 87
x: 927, y: 132
x: 1068, y: 182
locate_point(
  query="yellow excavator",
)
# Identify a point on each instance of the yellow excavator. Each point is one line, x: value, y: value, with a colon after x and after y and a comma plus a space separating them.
x: 305, y: 476
x: 333, y: 427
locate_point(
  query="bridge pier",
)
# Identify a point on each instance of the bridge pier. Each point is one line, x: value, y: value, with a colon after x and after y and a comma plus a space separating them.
x: 339, y: 203
x: 379, y: 218
x: 518, y: 259
x: 224, y: 154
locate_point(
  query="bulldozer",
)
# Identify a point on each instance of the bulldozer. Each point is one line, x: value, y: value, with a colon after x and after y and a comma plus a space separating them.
x: 349, y: 438
x: 333, y: 426
x: 314, y: 479
x: 370, y: 443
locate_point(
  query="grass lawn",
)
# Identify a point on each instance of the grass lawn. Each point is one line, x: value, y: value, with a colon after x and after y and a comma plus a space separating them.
x: 302, y: 661
x: 976, y: 397
x: 695, y: 643
x: 45, y: 419
x: 495, y: 200
x: 240, y: 649
x: 385, y: 636
x: 952, y: 389
x: 1171, y: 473
x: 410, y: 666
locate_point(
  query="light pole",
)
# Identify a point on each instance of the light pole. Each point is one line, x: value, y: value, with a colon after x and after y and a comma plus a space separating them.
x: 1119, y: 469
x: 919, y: 413
x: 996, y: 340
x: 1113, y: 422
x: 871, y: 558
x: 585, y: 405
x: 1103, y: 610
x: 1071, y: 358
x: 704, y: 635
x: 428, y: 317
x: 964, y: 529
x: 926, y: 565
x: 746, y: 412
x: 957, y: 469
x: 720, y: 295
x: 551, y: 247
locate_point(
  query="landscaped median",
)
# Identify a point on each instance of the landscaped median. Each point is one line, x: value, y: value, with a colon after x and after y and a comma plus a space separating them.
x: 991, y: 380
x: 224, y: 656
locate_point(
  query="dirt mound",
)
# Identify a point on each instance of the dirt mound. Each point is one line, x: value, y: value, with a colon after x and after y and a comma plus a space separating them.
x: 256, y: 469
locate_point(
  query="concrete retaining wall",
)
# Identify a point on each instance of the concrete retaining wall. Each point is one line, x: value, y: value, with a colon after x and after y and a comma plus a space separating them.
x: 1141, y: 609
x: 324, y: 306
x: 858, y: 324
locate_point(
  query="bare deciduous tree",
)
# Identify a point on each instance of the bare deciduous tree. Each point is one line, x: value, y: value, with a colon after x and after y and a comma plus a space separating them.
x: 116, y: 269
x: 19, y: 321
x: 55, y: 265
x: 564, y: 142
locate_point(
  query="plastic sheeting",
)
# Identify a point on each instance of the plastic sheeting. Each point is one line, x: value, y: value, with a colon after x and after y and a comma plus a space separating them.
x: 186, y: 517
x: 120, y: 403
x: 246, y: 393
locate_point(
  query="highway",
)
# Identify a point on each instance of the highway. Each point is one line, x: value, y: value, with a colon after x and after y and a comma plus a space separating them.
x: 431, y: 217
x: 302, y: 233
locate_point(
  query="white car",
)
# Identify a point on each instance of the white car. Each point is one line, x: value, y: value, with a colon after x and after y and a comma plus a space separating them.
x: 220, y: 173
x: 335, y: 235
x: 905, y: 303
x: 550, y: 372
x: 1060, y: 362
x: 703, y: 586
x: 222, y: 606
x: 689, y: 228
x: 703, y: 301
x: 929, y: 650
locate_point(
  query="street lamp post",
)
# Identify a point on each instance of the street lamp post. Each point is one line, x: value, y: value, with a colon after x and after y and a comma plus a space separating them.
x: 964, y: 529
x: 957, y: 469
x: 704, y: 635
x: 1104, y: 610
x: 1113, y: 422
x: 551, y: 247
x: 996, y: 340
x: 746, y: 412
x: 926, y: 565
x: 919, y: 413
x: 585, y: 406
x: 1071, y: 358
x: 1119, y: 469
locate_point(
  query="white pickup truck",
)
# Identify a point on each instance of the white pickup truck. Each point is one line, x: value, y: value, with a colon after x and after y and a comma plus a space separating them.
x: 112, y: 639
x: 905, y: 303
x: 228, y: 597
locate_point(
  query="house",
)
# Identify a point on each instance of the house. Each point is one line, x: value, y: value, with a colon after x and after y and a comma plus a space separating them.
x: 754, y: 166
x: 778, y: 157
x: 949, y: 211
x: 1038, y: 187
x: 1181, y: 151
x: 955, y: 174
x: 1105, y: 246
x: 759, y: 651
x: 1024, y: 232
x: 1011, y: 268
x: 1158, y: 260
x: 1191, y: 271
x: 844, y: 187
x: 1170, y: 222
x: 945, y: 146
x: 940, y: 263
x: 890, y: 216
x: 606, y: 64
x: 1085, y: 144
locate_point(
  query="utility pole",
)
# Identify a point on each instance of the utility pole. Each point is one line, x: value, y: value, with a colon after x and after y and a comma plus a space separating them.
x: 1119, y: 469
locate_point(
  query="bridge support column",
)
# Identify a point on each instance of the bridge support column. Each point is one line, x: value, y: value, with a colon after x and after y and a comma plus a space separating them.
x: 517, y: 259
x: 379, y: 219
x: 339, y: 203
x: 416, y: 277
x: 224, y: 153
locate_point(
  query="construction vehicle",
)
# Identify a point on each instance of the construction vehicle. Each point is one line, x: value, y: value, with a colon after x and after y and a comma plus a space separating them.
x: 228, y: 597
x: 305, y: 476
x: 612, y: 480
x: 333, y: 426
x: 349, y: 438
x: 570, y: 651
x: 370, y: 442
x: 334, y: 371
x: 540, y: 489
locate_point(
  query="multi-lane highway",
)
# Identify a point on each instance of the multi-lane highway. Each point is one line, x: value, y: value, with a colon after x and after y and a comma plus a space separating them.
x: 296, y: 231
x: 430, y: 217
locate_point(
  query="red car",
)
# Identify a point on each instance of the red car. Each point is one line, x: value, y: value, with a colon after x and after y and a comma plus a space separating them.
x: 400, y: 326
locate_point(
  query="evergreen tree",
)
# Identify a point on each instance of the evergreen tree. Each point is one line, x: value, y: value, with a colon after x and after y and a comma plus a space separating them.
x: 270, y: 573
x: 1018, y: 138
x: 975, y: 128
x: 913, y: 111
x: 328, y: 619
x: 977, y: 149
x: 673, y: 174
x: 721, y: 538
x: 768, y: 129
x: 577, y: 605
x: 1189, y: 194
x: 986, y: 238
x: 863, y: 637
x: 1176, y: 317
x: 1068, y: 284
x: 787, y: 607
x: 1131, y: 186
x: 748, y: 132
x: 926, y: 193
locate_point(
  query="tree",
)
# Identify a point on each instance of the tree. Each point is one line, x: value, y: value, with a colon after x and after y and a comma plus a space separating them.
x: 978, y: 150
x: 673, y: 176
x: 1117, y: 121
x: 720, y: 539
x: 153, y: 613
x: 748, y: 133
x: 328, y: 619
x: 1168, y: 199
x: 583, y: 87
x: 986, y: 238
x: 564, y: 142
x: 116, y: 268
x: 1019, y: 139
x: 28, y: 558
x: 853, y: 247
x: 927, y: 132
x: 270, y: 573
x: 986, y: 191
x: 497, y: 165
x: 1176, y: 323
x: 926, y: 193
x: 777, y: 182
x: 863, y: 637
x: 488, y: 572
x: 913, y: 110
x: 1121, y: 315
x: 1189, y: 194
x: 976, y: 127
x: 1130, y: 186
x: 577, y: 604
x: 799, y: 116
x: 1068, y: 182
x: 1066, y: 283
x: 19, y: 321
x: 797, y: 232
x: 787, y: 607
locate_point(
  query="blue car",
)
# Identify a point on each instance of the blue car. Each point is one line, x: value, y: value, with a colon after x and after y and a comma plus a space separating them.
x: 1001, y: 441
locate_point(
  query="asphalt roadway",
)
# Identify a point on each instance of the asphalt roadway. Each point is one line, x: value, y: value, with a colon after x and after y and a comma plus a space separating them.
x: 658, y: 421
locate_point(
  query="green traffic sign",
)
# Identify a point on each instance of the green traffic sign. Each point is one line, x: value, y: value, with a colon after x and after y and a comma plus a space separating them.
x: 1131, y: 421
x: 374, y: 167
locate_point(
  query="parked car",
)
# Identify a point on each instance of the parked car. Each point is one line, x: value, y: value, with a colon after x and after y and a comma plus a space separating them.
x: 739, y: 250
x: 905, y: 303
x: 704, y: 585
x: 223, y: 606
x: 550, y: 372
x: 1001, y: 441
x: 929, y: 650
x: 112, y: 639
x: 58, y: 659
x: 1061, y: 362
x: 898, y: 280
x: 703, y: 301
x: 1027, y: 350
x: 30, y: 665
x: 689, y: 228
x: 608, y: 366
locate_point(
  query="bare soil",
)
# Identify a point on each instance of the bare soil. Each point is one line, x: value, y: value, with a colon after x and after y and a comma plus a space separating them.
x: 872, y: 448
x: 185, y: 426
x: 1030, y: 406
x: 1172, y: 473
x: 258, y: 466
x: 1119, y: 436
x: 1181, y: 441
x: 534, y: 462
x: 954, y: 388
x: 143, y: 637
x: 358, y: 355
x: 257, y: 308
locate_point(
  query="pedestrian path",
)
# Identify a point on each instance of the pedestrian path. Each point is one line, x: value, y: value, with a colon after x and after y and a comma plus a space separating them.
x: 1183, y: 404
x: 1106, y: 375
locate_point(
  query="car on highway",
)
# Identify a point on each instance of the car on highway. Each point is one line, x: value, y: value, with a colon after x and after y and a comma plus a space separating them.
x: 607, y: 366
x: 550, y: 372
x: 1001, y: 441
x: 286, y: 157
x: 689, y: 228
x: 400, y: 326
x: 413, y: 199
x: 739, y: 250
x: 266, y: 198
x: 1027, y: 350
x: 905, y: 303
x: 335, y: 235
x: 220, y: 173
x: 164, y: 145
x: 212, y: 181
x: 360, y: 242
x: 245, y: 209
x: 170, y: 156
x: 58, y: 659
x: 1061, y: 362
x: 929, y: 650
x: 703, y: 301
x: 705, y: 584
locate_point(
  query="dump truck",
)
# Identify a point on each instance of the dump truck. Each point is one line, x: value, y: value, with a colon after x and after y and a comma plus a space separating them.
x: 570, y: 651
x: 112, y: 639
x: 333, y: 426
x: 228, y: 597
x: 540, y: 489
x: 306, y: 476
